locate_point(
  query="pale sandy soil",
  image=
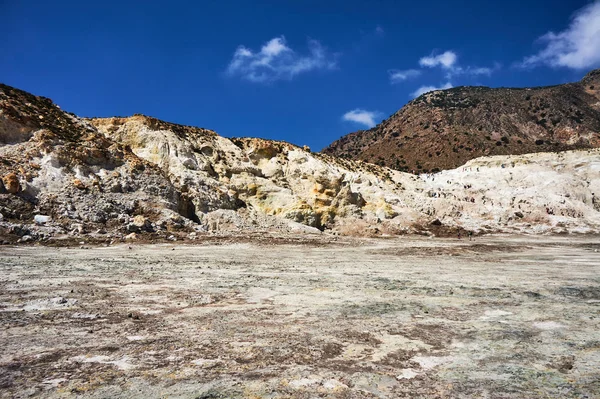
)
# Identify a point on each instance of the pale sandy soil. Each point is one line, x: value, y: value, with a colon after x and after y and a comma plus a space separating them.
x: 499, y: 317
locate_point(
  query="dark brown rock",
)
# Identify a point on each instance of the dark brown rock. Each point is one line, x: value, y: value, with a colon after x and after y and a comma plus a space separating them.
x: 444, y: 129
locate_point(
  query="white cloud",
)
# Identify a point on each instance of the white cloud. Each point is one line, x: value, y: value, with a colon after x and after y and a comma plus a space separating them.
x: 399, y: 76
x: 427, y: 89
x: 576, y: 47
x: 446, y: 60
x: 276, y: 61
x: 362, y: 116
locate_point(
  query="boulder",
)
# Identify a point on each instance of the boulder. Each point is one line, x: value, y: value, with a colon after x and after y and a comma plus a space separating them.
x: 79, y: 228
x: 116, y: 188
x: 79, y: 184
x: 25, y: 238
x: 131, y: 236
x: 142, y: 223
x: 41, y: 219
x: 132, y: 228
x: 11, y: 183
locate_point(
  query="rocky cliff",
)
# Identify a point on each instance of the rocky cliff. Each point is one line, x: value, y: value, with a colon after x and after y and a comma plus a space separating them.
x: 443, y: 129
x: 113, y: 178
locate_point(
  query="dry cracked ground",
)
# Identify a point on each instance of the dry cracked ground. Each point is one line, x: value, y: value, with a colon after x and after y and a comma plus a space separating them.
x: 498, y: 317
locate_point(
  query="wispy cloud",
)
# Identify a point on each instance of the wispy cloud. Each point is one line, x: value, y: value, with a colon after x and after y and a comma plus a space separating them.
x: 427, y: 89
x: 474, y: 71
x: 446, y: 60
x: 362, y: 116
x: 276, y: 61
x: 397, y: 76
x: 576, y: 47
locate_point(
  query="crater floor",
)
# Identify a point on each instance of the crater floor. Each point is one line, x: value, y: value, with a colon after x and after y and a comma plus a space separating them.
x: 496, y: 317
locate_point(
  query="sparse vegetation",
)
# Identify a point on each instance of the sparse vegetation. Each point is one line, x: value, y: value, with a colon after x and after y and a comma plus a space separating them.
x: 448, y: 127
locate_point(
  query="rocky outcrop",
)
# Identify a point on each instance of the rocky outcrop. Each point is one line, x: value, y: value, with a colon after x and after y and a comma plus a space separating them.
x: 56, y: 164
x: 279, y: 179
x: 272, y: 178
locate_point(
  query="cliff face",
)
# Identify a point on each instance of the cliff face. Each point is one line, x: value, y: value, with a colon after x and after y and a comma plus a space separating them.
x: 256, y: 176
x: 63, y: 175
x: 61, y: 167
x: 444, y: 129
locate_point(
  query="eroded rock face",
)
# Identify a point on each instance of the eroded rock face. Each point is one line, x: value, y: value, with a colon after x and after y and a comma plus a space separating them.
x: 285, y: 181
x: 64, y: 168
x: 145, y: 176
x: 273, y: 178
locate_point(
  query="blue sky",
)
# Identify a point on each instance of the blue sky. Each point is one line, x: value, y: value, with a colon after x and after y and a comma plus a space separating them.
x: 303, y: 71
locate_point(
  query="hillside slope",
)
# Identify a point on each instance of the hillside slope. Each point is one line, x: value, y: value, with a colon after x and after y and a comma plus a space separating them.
x: 64, y: 176
x: 444, y: 129
x: 58, y: 166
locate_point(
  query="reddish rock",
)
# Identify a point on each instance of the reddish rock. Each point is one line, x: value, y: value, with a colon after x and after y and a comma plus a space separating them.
x: 11, y: 183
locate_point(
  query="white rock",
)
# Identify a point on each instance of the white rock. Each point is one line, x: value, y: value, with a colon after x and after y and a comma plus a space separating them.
x: 407, y: 374
x: 552, y: 191
x: 41, y: 219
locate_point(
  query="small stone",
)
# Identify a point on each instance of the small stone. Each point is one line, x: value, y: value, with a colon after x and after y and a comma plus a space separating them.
x: 26, y: 238
x: 79, y: 184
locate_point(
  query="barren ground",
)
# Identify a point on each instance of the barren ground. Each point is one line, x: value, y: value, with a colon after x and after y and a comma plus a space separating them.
x: 499, y: 317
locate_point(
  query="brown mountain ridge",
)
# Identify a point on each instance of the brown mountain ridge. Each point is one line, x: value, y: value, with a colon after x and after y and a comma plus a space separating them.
x: 443, y: 129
